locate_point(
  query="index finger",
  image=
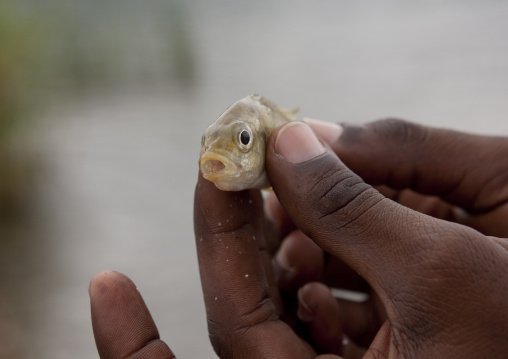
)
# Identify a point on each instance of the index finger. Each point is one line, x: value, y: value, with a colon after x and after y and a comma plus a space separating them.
x: 239, y: 292
x: 463, y: 169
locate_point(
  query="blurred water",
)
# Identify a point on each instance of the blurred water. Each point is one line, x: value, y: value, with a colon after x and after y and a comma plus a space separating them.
x: 120, y: 162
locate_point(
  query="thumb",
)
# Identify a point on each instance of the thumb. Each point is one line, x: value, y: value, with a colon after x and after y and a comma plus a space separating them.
x: 380, y: 239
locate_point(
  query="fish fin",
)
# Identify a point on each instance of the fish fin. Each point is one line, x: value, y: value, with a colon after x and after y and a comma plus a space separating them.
x: 289, y: 114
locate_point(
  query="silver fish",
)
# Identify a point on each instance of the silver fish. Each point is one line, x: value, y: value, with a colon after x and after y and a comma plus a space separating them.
x: 234, y: 146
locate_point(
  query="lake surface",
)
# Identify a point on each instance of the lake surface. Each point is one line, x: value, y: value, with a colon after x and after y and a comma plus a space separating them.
x: 119, y: 167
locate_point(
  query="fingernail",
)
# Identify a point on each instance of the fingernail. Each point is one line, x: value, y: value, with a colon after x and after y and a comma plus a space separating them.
x: 304, y: 312
x: 282, y: 260
x: 297, y: 143
x: 328, y: 131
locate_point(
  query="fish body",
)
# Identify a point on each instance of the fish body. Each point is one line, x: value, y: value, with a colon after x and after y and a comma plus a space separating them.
x: 234, y: 146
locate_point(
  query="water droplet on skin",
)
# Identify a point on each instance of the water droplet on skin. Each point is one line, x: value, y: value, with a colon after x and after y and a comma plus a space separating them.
x: 246, y: 276
x: 253, y: 238
x: 220, y: 224
x: 250, y: 201
x: 216, y: 298
x: 230, y: 205
x: 227, y: 220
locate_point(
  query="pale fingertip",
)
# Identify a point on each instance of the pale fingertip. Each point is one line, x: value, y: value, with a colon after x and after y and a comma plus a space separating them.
x: 297, y: 143
x: 328, y: 131
x: 272, y: 207
x: 305, y: 312
x: 282, y: 258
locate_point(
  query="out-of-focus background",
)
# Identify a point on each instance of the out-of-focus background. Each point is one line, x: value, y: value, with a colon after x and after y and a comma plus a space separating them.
x: 102, y: 107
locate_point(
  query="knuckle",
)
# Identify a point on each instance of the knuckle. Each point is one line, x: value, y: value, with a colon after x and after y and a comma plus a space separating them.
x: 399, y: 130
x: 336, y: 189
x: 234, y: 327
x: 340, y: 197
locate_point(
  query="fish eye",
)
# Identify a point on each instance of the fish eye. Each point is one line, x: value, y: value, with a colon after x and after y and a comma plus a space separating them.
x: 244, y: 139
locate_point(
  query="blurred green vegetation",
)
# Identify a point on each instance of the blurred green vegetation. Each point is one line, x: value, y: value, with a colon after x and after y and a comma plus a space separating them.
x: 116, y: 43
x: 18, y: 63
x: 20, y: 73
x: 51, y: 50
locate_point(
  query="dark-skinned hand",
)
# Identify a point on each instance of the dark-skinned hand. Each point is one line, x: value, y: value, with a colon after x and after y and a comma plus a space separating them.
x: 437, y: 278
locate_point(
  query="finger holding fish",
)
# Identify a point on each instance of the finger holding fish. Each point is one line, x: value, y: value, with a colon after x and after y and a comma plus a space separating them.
x: 241, y: 298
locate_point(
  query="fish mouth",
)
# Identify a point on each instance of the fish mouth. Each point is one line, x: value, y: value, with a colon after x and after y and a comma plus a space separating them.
x: 215, y: 167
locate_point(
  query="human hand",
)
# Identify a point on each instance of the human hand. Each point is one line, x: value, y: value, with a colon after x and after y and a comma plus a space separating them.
x: 439, y: 282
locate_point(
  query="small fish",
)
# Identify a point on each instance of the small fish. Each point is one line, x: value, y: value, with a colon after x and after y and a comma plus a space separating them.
x: 234, y: 146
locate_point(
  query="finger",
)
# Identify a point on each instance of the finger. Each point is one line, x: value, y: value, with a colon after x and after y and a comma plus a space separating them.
x: 466, y: 170
x: 298, y: 261
x: 324, y: 317
x: 358, y: 321
x: 276, y: 215
x: 122, y: 324
x: 492, y: 223
x: 240, y: 295
x: 383, y: 241
x: 277, y: 223
x: 338, y: 274
x: 430, y: 205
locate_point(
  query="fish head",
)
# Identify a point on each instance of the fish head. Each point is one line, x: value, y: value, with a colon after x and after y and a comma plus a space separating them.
x: 233, y: 148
